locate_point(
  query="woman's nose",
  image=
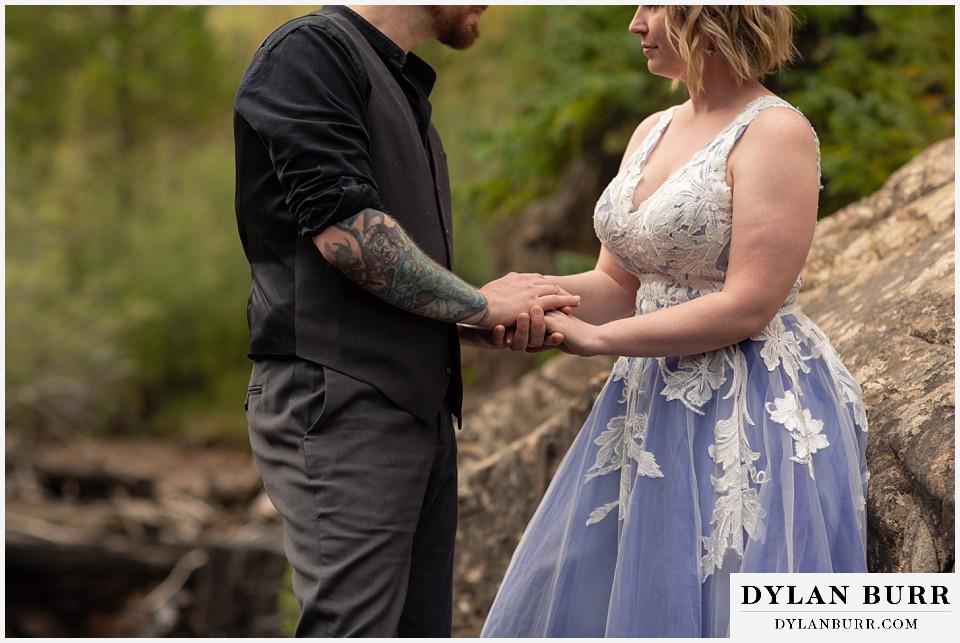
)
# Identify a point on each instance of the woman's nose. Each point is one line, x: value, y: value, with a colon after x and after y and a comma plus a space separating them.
x: 639, y: 24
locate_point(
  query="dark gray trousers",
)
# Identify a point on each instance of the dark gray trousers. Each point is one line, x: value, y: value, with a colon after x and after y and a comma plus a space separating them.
x: 368, y: 495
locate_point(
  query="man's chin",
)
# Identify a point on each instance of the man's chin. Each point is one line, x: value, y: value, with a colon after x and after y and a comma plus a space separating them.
x: 462, y: 40
x: 456, y: 27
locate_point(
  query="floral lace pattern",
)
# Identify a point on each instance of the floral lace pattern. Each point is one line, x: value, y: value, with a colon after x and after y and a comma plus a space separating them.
x: 622, y: 445
x: 677, y: 243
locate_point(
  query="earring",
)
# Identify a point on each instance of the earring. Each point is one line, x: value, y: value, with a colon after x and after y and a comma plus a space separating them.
x: 710, y: 50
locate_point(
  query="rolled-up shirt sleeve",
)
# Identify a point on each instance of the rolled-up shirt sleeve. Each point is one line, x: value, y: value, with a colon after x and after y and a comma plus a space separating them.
x: 305, y: 97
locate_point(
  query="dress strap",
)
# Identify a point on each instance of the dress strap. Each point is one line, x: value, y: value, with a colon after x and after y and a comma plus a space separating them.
x: 652, y: 137
x: 743, y: 120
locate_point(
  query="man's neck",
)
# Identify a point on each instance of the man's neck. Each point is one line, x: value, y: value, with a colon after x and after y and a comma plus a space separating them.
x: 405, y: 25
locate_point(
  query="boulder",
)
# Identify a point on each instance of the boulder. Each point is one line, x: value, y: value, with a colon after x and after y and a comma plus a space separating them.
x: 880, y: 283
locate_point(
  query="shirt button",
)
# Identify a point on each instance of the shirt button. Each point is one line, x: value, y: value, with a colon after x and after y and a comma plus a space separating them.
x: 449, y: 371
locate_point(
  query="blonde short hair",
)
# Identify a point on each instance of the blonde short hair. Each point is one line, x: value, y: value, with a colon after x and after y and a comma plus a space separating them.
x: 753, y: 39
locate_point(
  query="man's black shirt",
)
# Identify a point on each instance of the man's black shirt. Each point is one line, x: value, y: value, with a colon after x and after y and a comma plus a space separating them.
x: 331, y: 118
x: 303, y: 101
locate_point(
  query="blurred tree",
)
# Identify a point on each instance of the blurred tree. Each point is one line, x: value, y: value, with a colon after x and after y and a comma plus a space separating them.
x: 90, y: 89
x: 877, y: 82
x: 106, y: 106
x: 563, y: 80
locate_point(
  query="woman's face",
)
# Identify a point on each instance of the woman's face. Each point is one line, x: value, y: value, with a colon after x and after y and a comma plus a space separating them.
x: 662, y: 58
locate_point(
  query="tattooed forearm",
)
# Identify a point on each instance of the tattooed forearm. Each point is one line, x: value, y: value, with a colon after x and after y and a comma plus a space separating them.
x: 372, y: 250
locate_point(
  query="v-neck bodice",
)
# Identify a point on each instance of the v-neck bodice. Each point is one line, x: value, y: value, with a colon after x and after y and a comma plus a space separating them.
x: 678, y: 240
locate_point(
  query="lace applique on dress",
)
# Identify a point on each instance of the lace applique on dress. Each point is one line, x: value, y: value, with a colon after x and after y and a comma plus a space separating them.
x: 677, y: 244
x: 750, y: 458
x: 621, y: 445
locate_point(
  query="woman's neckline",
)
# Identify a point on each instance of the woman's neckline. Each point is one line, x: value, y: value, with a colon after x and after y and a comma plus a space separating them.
x: 660, y: 130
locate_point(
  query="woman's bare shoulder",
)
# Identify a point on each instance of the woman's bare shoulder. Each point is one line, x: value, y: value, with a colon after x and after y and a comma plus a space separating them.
x: 775, y: 134
x: 778, y: 126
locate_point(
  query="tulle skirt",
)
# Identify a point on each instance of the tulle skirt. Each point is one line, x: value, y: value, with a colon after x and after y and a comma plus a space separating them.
x: 748, y: 459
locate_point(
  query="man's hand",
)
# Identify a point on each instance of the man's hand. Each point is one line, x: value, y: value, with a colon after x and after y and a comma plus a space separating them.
x: 483, y: 338
x: 530, y: 333
x: 516, y: 294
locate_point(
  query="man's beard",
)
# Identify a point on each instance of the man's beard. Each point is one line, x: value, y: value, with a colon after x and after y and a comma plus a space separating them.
x: 451, y: 27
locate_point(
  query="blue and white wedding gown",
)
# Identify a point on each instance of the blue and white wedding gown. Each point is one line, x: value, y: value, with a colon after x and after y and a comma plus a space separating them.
x: 745, y: 459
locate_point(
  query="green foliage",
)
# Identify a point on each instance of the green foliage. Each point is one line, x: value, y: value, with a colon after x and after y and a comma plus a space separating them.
x: 125, y: 282
x: 572, y: 263
x: 190, y: 342
x: 876, y: 81
x: 120, y: 73
x: 122, y: 289
x: 878, y: 85
x: 287, y: 605
x: 564, y: 80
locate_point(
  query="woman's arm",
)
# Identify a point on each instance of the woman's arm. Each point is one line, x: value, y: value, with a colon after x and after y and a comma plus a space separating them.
x: 773, y: 171
x: 607, y: 292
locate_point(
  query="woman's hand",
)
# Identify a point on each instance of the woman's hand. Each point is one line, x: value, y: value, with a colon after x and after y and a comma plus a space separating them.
x: 579, y: 337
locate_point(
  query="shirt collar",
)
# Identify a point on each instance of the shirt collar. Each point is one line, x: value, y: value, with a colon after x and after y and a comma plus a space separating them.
x: 384, y: 46
x: 389, y: 51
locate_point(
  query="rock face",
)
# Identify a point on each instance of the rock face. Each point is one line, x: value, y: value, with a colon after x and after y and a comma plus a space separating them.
x: 881, y: 285
x: 525, y: 431
x: 880, y: 282
x: 533, y: 241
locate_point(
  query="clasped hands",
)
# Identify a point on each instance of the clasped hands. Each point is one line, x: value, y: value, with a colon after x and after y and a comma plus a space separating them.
x: 517, y: 309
